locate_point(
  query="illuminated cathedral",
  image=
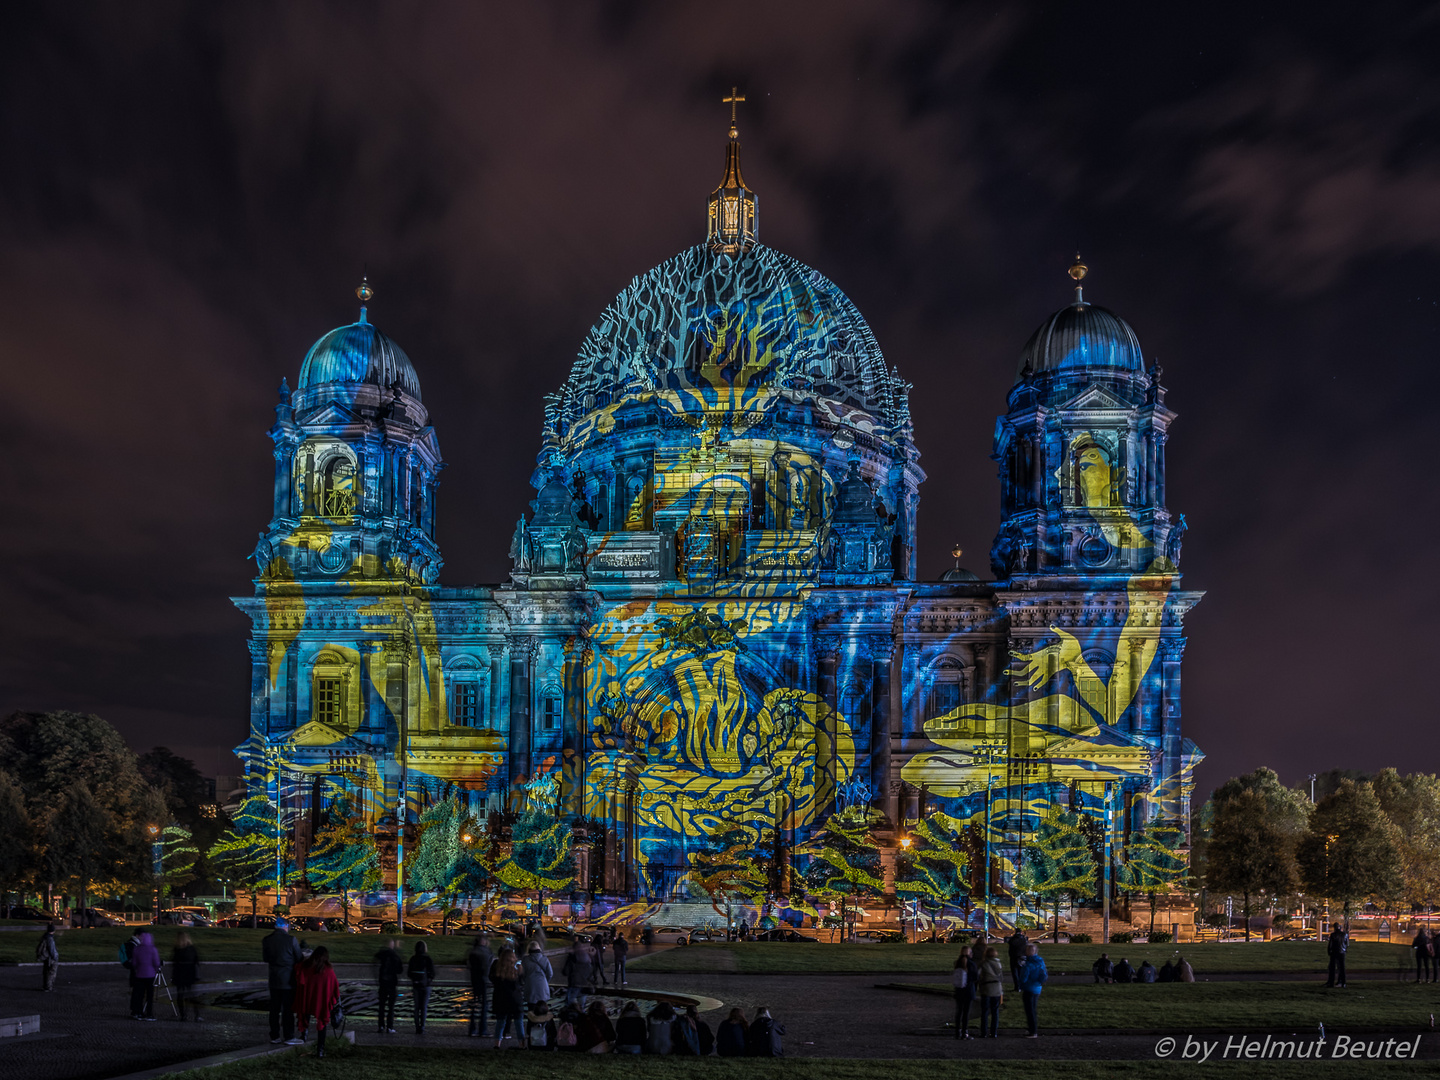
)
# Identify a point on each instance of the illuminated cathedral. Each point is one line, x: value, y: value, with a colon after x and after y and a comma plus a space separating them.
x: 713, y: 624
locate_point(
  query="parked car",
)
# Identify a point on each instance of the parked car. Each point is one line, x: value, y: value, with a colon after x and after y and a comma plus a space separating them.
x: 184, y: 916
x: 82, y: 917
x: 25, y: 912
x: 250, y: 922
x: 782, y: 933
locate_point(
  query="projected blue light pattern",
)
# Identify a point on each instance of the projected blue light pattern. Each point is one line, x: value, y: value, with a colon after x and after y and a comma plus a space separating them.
x: 713, y: 638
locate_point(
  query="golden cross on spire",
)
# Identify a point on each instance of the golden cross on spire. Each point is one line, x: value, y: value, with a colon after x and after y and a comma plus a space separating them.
x: 732, y: 99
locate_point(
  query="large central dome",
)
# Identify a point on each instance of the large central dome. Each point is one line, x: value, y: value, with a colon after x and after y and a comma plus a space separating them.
x: 726, y: 327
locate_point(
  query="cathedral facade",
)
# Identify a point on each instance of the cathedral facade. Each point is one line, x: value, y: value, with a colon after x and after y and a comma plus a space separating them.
x: 713, y: 624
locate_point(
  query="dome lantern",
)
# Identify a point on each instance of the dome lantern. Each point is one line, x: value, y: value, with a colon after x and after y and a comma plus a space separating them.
x: 732, y: 211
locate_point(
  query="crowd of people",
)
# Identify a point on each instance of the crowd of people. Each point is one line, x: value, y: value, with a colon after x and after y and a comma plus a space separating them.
x: 1176, y: 969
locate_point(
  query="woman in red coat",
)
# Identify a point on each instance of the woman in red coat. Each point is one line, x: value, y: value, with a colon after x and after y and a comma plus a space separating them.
x: 317, y: 994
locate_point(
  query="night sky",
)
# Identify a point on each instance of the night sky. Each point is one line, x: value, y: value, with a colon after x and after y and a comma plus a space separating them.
x: 188, y: 194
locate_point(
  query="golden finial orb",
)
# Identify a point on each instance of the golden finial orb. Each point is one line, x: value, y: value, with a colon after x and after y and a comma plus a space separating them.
x: 956, y: 552
x: 1078, y: 270
x: 364, y: 292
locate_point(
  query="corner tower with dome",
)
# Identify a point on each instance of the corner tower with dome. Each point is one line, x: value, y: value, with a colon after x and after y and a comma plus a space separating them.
x: 713, y: 638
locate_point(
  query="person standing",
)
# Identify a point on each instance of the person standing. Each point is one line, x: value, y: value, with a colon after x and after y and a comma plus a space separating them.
x: 47, y: 953
x: 600, y: 979
x: 992, y: 992
x: 281, y: 953
x: 535, y: 975
x: 579, y: 971
x: 147, y: 965
x: 388, y: 968
x: 505, y: 978
x: 1033, y: 976
x: 1336, y: 945
x: 185, y: 963
x: 479, y: 960
x: 317, y: 994
x: 422, y: 974
x: 1424, y: 956
x: 963, y: 979
x: 1016, y: 943
x: 621, y: 950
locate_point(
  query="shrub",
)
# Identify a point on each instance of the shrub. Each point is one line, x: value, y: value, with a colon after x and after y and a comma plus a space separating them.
x: 1081, y: 939
x: 1122, y: 937
x: 1160, y: 937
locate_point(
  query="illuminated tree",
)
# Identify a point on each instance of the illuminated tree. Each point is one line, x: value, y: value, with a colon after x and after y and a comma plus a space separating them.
x: 254, y: 846
x: 537, y: 856
x: 728, y: 869
x: 178, y: 855
x: 844, y: 857
x: 344, y: 857
x: 1352, y: 850
x: 1058, y: 860
x: 937, y: 864
x: 445, y: 863
x: 1153, y: 862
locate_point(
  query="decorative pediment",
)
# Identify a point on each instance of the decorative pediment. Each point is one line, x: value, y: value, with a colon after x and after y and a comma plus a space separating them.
x: 1095, y: 397
x: 330, y: 415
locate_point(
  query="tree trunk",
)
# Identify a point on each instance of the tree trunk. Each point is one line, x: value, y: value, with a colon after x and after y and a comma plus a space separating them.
x: 1152, y: 915
x: 1057, y: 918
x: 1247, y: 917
x: 345, y: 905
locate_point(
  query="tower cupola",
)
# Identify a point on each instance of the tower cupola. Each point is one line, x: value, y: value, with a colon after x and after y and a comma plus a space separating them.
x: 733, y: 210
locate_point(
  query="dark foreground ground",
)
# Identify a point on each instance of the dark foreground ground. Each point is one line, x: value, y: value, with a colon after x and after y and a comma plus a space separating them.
x: 86, y: 1032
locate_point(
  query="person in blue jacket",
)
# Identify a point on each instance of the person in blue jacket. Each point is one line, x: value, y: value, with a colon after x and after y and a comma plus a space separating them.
x: 1032, y: 981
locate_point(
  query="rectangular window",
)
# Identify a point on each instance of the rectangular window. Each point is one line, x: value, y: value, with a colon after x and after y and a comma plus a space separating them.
x: 327, y: 701
x: 550, y: 718
x: 944, y: 697
x: 465, y: 698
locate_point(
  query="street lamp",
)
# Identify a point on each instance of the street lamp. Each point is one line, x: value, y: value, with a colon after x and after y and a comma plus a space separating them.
x: 157, y: 856
x: 914, y: 912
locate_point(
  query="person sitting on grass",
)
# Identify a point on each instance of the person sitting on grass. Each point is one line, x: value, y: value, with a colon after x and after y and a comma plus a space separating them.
x: 659, y: 1038
x: 1183, y: 971
x: 540, y: 1027
x: 1103, y: 969
x: 594, y: 1034
x: 730, y: 1038
x: 1167, y: 972
x: 762, y: 1038
x: 1124, y: 973
x: 1146, y: 974
x: 630, y: 1030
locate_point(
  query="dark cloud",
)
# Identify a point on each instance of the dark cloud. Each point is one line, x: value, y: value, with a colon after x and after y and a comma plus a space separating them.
x: 190, y: 192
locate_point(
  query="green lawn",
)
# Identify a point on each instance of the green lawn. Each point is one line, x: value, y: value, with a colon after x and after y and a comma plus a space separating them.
x: 1224, y: 1006
x: 784, y: 958
x: 398, y: 1063
x: 216, y: 945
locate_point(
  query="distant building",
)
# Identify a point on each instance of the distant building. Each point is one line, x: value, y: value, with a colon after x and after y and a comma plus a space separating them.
x: 713, y: 623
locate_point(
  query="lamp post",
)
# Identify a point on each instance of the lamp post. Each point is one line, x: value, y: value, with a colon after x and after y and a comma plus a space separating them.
x: 1105, y: 875
x: 157, y: 858
x: 914, y: 911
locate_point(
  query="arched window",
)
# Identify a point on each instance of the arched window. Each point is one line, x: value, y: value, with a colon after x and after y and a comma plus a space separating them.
x: 947, y: 688
x: 329, y: 689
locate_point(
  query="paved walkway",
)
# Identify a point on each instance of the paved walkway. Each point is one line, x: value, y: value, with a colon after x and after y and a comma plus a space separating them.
x: 86, y: 1033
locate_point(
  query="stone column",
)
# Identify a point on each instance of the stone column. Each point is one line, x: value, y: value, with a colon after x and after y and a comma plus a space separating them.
x: 827, y: 650
x: 573, y: 721
x: 1037, y: 469
x: 882, y: 649
x: 497, y: 677
x: 282, y: 481
x: 522, y: 656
